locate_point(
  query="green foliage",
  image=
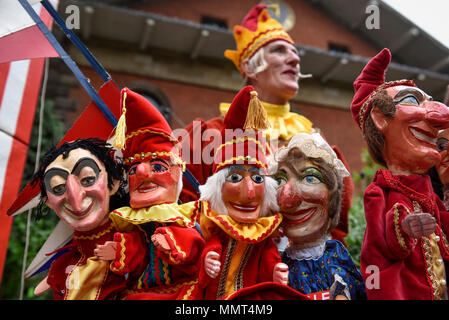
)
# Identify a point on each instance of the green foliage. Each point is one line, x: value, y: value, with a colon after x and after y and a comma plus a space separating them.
x: 356, y: 215
x: 52, y: 133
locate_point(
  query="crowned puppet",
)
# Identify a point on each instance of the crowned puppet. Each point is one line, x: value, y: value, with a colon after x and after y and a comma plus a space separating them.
x: 405, y: 247
x: 81, y: 181
x: 310, y: 178
x: 153, y: 159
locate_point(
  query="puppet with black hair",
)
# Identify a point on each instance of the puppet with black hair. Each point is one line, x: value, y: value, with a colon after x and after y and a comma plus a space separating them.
x: 310, y: 178
x: 405, y: 248
x: 78, y: 181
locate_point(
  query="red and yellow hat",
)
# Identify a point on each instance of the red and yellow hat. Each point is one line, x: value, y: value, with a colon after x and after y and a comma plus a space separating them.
x: 142, y: 132
x: 370, y: 82
x: 243, y: 141
x: 257, y: 30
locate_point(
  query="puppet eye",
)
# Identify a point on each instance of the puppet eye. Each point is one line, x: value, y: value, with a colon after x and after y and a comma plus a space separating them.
x: 158, y: 167
x: 59, y: 189
x: 442, y: 144
x: 88, y: 181
x: 311, y: 180
x: 281, y: 179
x: 257, y: 178
x: 409, y: 100
x: 234, y: 178
x: 132, y: 170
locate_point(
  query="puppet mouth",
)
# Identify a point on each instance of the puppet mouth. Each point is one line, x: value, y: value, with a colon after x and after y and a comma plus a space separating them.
x: 82, y: 213
x: 244, y: 207
x: 424, y: 136
x: 147, y: 188
x: 299, y: 216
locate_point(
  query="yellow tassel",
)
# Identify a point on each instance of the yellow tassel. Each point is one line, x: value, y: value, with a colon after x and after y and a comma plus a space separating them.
x: 256, y: 117
x: 120, y: 129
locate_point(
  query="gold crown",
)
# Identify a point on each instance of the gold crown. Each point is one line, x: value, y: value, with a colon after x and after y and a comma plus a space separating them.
x: 248, y: 42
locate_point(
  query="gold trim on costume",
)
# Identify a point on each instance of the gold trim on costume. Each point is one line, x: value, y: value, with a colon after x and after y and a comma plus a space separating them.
x: 397, y: 229
x: 94, y: 236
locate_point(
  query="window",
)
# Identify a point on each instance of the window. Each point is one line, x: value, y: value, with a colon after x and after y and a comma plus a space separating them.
x: 155, y: 96
x: 338, y: 48
x: 220, y: 23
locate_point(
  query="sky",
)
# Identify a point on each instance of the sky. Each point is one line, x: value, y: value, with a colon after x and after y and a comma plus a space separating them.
x: 430, y: 15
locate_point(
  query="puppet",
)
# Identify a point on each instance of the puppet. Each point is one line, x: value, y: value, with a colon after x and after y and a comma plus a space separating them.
x: 152, y: 156
x: 405, y: 245
x: 310, y: 176
x: 267, y: 59
x: 77, y: 181
x: 238, y: 205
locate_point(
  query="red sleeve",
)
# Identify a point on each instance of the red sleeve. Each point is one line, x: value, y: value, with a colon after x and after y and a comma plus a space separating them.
x: 400, y: 244
x: 213, y: 244
x: 186, y: 244
x: 131, y: 253
x: 269, y: 258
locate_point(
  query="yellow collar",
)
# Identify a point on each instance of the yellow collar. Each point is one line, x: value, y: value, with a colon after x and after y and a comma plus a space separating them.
x: 247, y: 232
x: 283, y: 123
x: 184, y: 215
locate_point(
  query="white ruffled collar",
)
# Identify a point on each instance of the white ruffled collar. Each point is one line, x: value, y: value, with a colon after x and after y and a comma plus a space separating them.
x: 312, y: 253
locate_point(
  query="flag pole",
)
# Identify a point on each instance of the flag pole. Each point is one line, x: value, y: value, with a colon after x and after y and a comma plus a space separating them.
x: 70, y: 63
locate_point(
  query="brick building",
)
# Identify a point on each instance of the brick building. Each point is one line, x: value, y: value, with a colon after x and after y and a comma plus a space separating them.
x: 172, y: 51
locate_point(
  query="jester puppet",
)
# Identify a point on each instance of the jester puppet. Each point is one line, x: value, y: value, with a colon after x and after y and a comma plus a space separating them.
x: 239, y: 213
x: 405, y: 248
x: 81, y: 181
x: 310, y: 182
x: 153, y: 158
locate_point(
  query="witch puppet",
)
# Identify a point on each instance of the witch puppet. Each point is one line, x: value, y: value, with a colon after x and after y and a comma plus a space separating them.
x: 81, y: 181
x: 239, y: 213
x: 310, y: 179
x: 152, y: 156
x: 405, y: 248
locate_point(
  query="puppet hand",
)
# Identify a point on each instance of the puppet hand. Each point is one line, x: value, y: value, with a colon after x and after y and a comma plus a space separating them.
x: 160, y: 242
x: 42, y: 287
x: 280, y: 273
x: 417, y: 225
x: 212, y: 264
x: 107, y: 251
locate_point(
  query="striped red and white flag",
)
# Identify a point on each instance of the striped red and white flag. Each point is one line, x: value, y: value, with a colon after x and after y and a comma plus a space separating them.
x: 20, y: 82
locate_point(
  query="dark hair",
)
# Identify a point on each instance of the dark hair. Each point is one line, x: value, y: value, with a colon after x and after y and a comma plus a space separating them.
x: 100, y: 149
x: 375, y: 139
x: 332, y: 180
x: 437, y: 185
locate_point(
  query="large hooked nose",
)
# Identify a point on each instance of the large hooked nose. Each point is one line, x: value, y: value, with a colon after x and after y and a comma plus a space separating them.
x: 248, y: 191
x: 74, y: 193
x: 289, y: 197
x: 437, y: 114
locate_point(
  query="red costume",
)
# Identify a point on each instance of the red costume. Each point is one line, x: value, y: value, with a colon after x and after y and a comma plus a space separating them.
x: 419, y: 262
x: 403, y: 255
x: 79, y: 275
x: 247, y: 253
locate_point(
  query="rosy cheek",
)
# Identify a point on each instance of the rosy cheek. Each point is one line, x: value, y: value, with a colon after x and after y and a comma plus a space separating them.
x: 231, y: 191
x: 55, y: 202
x: 318, y: 195
x: 164, y: 179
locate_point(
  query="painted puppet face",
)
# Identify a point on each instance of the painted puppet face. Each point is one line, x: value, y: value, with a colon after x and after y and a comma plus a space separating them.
x: 411, y: 135
x: 443, y: 166
x: 280, y: 78
x: 77, y: 190
x: 303, y: 201
x: 243, y: 192
x: 153, y: 182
